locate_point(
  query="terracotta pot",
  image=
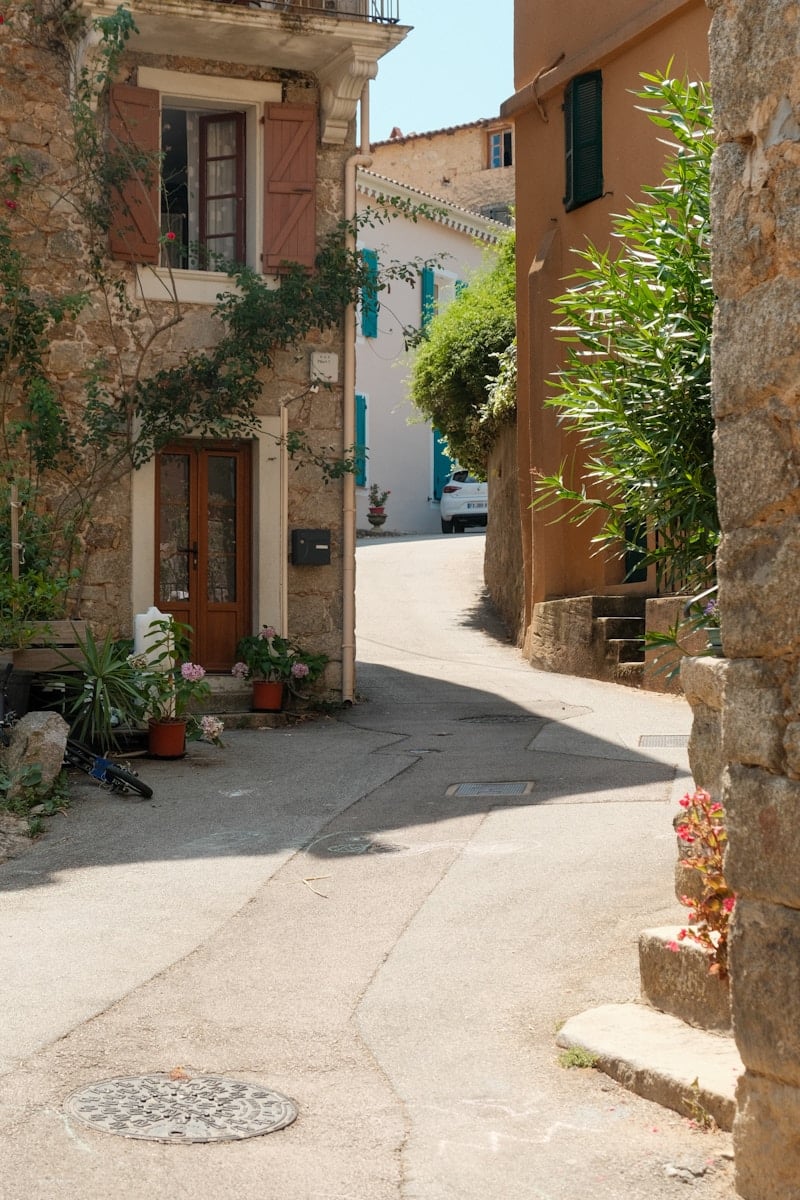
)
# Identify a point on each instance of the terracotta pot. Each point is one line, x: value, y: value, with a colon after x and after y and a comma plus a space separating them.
x: 267, y: 695
x: 167, y: 739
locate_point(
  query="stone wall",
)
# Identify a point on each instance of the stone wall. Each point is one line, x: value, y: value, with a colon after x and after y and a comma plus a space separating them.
x: 756, y: 213
x: 451, y: 163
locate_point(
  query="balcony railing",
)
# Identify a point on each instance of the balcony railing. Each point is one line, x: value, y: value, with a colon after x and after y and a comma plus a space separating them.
x: 385, y: 12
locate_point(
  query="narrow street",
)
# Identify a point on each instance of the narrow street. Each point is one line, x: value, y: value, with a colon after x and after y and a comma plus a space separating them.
x: 384, y: 917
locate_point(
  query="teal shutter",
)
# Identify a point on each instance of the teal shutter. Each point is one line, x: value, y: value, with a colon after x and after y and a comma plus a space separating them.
x: 369, y: 295
x: 461, y: 286
x: 428, y: 296
x: 583, y: 136
x: 361, y: 440
x: 443, y: 465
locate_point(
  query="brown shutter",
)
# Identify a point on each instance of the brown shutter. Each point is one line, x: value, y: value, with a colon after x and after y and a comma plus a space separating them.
x: 134, y: 121
x: 290, y: 170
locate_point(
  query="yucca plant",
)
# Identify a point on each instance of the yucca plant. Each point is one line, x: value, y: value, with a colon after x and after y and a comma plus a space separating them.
x: 104, y: 693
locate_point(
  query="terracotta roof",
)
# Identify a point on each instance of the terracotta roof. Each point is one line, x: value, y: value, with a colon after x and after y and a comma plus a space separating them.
x: 398, y: 136
x: 466, y: 220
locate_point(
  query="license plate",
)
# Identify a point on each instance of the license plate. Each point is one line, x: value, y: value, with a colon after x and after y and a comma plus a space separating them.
x: 475, y: 504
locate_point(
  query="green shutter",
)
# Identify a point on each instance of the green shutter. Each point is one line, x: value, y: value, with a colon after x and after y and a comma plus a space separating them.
x: 361, y: 440
x: 461, y: 286
x: 369, y: 295
x: 583, y: 135
x: 443, y: 465
x: 428, y: 296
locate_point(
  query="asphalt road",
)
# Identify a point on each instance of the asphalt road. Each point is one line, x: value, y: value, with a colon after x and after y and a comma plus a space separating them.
x: 385, y: 917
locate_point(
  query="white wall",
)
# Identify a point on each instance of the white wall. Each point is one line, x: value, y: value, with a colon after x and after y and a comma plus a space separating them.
x: 400, y: 443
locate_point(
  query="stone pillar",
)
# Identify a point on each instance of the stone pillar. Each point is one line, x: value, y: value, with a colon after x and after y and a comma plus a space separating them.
x: 756, y: 376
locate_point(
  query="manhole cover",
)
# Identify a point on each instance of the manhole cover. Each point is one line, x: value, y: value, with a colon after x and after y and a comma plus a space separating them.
x: 516, y: 788
x: 357, y: 844
x: 664, y: 739
x: 199, y: 1108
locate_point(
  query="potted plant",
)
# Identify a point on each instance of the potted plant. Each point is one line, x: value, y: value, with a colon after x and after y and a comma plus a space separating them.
x: 168, y: 686
x: 376, y: 514
x: 273, y: 663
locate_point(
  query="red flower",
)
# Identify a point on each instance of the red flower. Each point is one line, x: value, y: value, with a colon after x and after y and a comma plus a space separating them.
x: 685, y: 802
x: 170, y: 237
x: 728, y: 903
x: 12, y: 204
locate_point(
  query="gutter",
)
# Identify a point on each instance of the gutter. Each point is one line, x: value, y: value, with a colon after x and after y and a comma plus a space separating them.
x: 361, y: 159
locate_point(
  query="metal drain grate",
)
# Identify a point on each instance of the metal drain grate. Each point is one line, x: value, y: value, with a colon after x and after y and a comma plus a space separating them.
x: 516, y: 788
x: 199, y: 1108
x: 360, y: 845
x: 664, y: 739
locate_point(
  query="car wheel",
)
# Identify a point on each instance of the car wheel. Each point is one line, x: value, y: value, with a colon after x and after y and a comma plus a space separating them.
x: 447, y: 526
x: 459, y: 528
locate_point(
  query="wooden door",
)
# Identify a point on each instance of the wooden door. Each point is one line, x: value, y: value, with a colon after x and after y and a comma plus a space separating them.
x: 203, y: 545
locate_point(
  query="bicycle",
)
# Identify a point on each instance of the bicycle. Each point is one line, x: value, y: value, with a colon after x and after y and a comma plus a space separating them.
x: 76, y: 755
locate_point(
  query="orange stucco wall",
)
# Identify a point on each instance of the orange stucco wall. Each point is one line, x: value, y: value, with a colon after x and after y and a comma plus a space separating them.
x: 623, y: 39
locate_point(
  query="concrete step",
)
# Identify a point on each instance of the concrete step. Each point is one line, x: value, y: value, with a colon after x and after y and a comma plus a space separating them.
x: 660, y: 1058
x: 631, y: 674
x: 618, y: 606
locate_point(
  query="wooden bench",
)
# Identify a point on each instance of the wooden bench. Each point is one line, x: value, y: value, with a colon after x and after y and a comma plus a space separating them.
x: 59, y: 643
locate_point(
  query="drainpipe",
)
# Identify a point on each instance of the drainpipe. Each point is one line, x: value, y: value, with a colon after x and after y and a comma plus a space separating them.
x: 361, y: 159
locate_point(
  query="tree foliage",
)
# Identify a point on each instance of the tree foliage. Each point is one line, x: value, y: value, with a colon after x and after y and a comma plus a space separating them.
x: 460, y: 356
x: 636, y: 383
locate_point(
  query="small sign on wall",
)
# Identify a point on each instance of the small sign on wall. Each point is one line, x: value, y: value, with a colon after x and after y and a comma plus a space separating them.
x: 324, y: 367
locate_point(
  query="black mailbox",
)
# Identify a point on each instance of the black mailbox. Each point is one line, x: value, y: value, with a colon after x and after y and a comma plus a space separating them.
x: 311, y: 547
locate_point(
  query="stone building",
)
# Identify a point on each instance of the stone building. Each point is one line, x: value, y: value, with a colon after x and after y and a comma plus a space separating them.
x: 470, y: 165
x: 755, y: 49
x: 582, y: 149
x: 251, y: 110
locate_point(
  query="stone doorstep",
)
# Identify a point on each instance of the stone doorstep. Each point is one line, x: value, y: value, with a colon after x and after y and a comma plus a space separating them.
x: 659, y: 1057
x: 679, y: 982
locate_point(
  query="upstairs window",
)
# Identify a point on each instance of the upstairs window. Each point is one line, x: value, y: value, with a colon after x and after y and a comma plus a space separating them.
x: 583, y: 136
x: 203, y: 199
x: 205, y: 173
x: 501, y: 148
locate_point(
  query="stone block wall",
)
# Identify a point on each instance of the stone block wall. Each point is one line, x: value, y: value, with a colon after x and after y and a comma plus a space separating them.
x: 755, y: 47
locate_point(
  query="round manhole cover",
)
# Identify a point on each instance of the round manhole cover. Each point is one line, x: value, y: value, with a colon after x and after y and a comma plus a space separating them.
x: 358, y: 844
x: 198, y: 1108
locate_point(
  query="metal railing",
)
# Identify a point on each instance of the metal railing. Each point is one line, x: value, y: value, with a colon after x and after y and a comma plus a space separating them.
x: 385, y: 12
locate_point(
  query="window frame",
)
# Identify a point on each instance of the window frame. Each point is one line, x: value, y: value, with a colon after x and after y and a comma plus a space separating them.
x: 504, y: 140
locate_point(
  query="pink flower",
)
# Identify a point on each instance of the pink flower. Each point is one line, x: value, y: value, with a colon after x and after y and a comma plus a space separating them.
x: 685, y: 802
x: 192, y: 672
x: 685, y: 833
x: 299, y: 670
x: 12, y: 204
x: 682, y: 933
x: 729, y: 903
x: 267, y: 633
x: 673, y: 946
x: 170, y: 237
x: 240, y: 670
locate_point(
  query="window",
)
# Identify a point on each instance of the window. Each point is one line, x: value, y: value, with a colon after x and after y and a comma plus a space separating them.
x: 203, y: 188
x: 237, y: 177
x: 497, y: 212
x: 583, y: 134
x: 501, y: 152
x: 429, y: 294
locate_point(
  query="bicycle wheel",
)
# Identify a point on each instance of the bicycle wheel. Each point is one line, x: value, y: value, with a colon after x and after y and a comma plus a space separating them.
x: 123, y: 780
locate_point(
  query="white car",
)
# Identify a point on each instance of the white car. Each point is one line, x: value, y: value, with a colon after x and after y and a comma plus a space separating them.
x: 465, y: 501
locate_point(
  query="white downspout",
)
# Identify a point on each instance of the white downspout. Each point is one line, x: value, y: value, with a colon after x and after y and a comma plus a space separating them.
x: 361, y: 159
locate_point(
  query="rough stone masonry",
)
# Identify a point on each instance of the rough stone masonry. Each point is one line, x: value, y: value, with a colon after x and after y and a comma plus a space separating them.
x: 756, y: 374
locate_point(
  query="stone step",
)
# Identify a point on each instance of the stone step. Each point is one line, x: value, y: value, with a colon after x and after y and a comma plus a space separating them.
x: 619, y: 627
x: 618, y: 606
x: 659, y: 1057
x: 631, y: 674
x: 679, y: 982
x: 625, y: 650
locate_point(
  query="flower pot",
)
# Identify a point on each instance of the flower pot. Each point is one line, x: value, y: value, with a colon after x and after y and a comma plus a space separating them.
x: 376, y: 518
x: 714, y: 639
x: 267, y: 695
x: 167, y: 739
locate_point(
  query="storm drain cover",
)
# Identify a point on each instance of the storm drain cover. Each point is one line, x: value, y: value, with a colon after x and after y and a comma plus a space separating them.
x: 516, y: 788
x: 664, y: 739
x: 197, y: 1108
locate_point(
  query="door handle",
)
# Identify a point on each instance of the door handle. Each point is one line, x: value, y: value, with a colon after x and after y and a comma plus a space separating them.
x: 190, y: 550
